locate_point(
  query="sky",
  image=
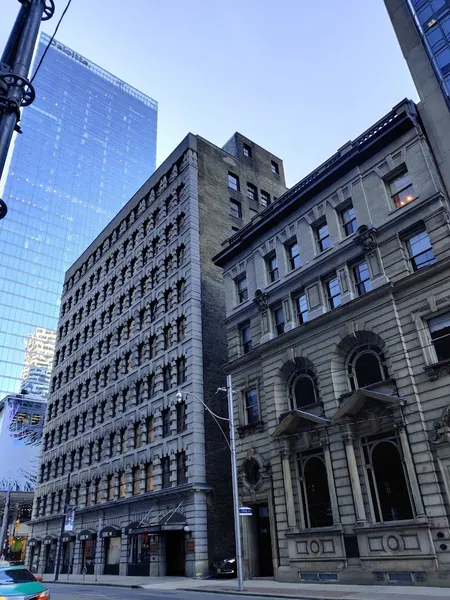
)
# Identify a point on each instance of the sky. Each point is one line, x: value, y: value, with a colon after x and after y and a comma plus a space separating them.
x: 298, y: 77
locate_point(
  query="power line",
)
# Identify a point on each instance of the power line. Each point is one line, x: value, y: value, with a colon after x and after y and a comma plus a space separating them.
x: 51, y: 40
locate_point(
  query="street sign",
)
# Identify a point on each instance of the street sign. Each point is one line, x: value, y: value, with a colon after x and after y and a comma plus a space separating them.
x: 245, y: 511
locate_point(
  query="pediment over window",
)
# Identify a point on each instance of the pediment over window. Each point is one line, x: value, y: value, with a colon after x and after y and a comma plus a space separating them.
x: 366, y: 400
x: 298, y: 421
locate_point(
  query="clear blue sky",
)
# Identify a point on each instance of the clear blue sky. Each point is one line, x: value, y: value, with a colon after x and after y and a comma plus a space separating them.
x: 299, y: 77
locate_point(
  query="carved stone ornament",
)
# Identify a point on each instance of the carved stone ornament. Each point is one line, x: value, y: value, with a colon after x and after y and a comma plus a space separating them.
x: 261, y: 299
x: 437, y: 370
x: 254, y: 471
x: 173, y: 174
x: 441, y: 429
x: 366, y: 238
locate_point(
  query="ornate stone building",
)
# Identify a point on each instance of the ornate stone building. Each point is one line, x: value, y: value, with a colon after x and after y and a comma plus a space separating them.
x: 340, y: 355
x: 141, y: 321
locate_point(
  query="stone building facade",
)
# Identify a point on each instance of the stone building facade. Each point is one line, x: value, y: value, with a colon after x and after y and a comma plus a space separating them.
x: 339, y: 351
x: 140, y: 340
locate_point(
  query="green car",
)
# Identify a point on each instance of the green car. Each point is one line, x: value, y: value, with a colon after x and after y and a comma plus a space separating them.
x: 19, y: 583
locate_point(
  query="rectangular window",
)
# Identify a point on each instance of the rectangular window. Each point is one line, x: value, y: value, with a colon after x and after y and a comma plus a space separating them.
x: 323, y: 237
x: 349, y: 222
x: 272, y: 268
x: 150, y: 430
x: 246, y: 338
x: 401, y: 189
x: 137, y: 434
x: 333, y: 292
x: 251, y: 406
x: 181, y: 370
x: 264, y: 198
x: 242, y: 289
x: 167, y: 335
x: 181, y: 468
x: 165, y: 422
x: 278, y: 319
x: 181, y: 417
x: 275, y: 168
x: 149, y: 478
x: 440, y: 335
x: 233, y: 182
x: 165, y: 471
x: 181, y: 329
x: 247, y: 151
x: 420, y: 250
x: 301, y: 304
x: 252, y: 192
x: 110, y: 487
x: 123, y: 440
x: 167, y: 378
x: 362, y: 278
x: 293, y: 254
x: 136, y: 481
x: 235, y: 209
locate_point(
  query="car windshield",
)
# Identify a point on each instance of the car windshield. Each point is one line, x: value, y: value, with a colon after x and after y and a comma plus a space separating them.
x: 8, y: 576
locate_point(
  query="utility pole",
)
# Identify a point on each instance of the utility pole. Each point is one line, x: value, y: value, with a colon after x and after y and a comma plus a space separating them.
x: 5, y: 521
x: 16, y: 90
x: 234, y: 477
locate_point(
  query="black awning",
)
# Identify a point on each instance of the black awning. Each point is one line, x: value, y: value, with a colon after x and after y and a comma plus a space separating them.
x: 50, y: 539
x: 173, y: 521
x: 68, y: 536
x: 87, y: 534
x: 110, y: 531
x: 34, y: 541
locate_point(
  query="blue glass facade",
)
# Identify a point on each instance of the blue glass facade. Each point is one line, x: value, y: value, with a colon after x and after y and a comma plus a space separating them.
x: 89, y: 143
x: 432, y: 18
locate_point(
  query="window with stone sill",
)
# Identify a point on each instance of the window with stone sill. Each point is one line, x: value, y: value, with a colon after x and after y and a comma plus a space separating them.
x: 386, y: 478
x: 439, y: 330
x: 322, y: 235
x: 401, y: 189
x: 167, y: 377
x: 274, y: 167
x: 264, y: 198
x: 293, y: 255
x: 252, y: 192
x: 235, y: 209
x: 361, y: 277
x: 165, y: 416
x: 149, y: 478
x: 167, y: 333
x: 165, y: 471
x: 150, y: 424
x: 123, y: 440
x: 122, y: 485
x: 137, y: 434
x: 110, y: 487
x: 181, y: 417
x: 315, y: 492
x: 181, y: 370
x: 251, y: 406
x: 136, y: 475
x: 366, y: 366
x: 247, y: 151
x: 273, y: 273
x: 420, y: 250
x: 278, y: 319
x: 233, y: 182
x: 181, y: 468
x: 333, y: 290
x: 181, y: 329
x: 302, y: 389
x: 242, y: 288
x: 246, y: 338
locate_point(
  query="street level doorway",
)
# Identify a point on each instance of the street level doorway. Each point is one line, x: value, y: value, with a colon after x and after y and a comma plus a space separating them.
x: 175, y: 554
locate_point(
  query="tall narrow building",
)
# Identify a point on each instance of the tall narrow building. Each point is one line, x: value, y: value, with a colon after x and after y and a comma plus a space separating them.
x: 422, y: 28
x: 140, y: 345
x: 89, y: 143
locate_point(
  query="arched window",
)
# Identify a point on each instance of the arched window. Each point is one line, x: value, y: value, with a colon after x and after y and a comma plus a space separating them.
x: 387, y: 481
x: 366, y: 367
x: 315, y: 492
x: 302, y: 389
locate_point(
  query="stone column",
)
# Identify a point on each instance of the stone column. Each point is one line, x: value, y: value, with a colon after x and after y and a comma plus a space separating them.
x: 354, y: 478
x: 412, y: 476
x: 288, y: 491
x: 331, y: 486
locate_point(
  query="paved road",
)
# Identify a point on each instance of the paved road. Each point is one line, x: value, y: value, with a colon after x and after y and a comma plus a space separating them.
x: 60, y: 591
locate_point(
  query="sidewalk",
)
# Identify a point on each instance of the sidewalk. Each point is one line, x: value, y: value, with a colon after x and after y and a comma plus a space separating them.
x: 265, y: 588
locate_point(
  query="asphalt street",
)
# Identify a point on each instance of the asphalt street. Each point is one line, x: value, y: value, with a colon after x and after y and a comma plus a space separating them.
x: 60, y: 591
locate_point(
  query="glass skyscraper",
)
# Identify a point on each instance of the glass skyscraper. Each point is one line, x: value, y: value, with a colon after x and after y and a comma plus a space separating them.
x: 89, y: 143
x: 432, y: 18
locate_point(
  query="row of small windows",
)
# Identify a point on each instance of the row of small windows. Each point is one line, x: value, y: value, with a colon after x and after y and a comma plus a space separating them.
x: 173, y: 261
x: 141, y: 434
x: 143, y: 390
x: 141, y: 480
x: 251, y: 193
x: 157, y: 215
x: 173, y: 295
x: 418, y: 246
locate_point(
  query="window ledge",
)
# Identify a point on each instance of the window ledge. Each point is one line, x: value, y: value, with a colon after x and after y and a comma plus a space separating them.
x: 438, y: 369
x: 319, y: 254
x: 400, y: 524
x: 397, y: 208
x: 337, y: 528
x: 250, y: 428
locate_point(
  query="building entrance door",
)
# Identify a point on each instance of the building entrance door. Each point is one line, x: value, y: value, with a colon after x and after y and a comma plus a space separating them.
x: 175, y: 558
x: 264, y: 541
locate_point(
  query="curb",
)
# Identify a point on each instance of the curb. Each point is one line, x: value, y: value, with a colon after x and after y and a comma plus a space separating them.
x: 97, y: 583
x: 255, y: 594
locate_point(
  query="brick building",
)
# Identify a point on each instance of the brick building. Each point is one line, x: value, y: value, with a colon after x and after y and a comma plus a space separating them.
x: 338, y: 320
x: 141, y: 318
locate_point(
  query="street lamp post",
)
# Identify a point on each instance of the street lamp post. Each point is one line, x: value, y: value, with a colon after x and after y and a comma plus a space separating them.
x: 232, y: 446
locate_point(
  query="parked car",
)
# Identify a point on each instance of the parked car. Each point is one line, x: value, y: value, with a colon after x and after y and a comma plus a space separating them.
x: 225, y: 568
x: 18, y: 582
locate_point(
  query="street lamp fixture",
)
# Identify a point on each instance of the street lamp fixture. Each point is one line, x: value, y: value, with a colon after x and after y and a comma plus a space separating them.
x: 232, y: 446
